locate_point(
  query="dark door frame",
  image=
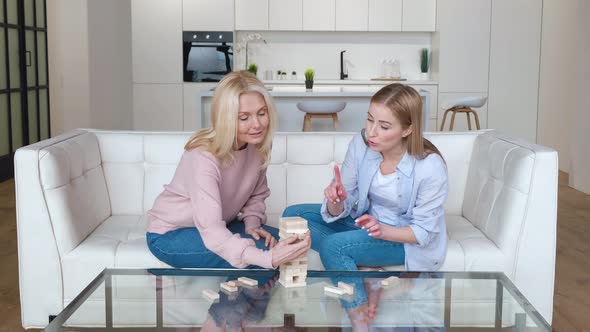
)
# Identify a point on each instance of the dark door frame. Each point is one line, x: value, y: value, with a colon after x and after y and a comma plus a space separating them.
x: 25, y: 60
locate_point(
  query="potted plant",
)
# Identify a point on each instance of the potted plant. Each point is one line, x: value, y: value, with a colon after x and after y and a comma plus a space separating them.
x: 253, y: 68
x: 424, y: 63
x: 309, y: 78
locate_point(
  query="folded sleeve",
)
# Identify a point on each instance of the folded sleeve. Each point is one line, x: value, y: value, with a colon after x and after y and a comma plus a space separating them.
x: 203, y: 188
x: 253, y: 212
x: 428, y: 213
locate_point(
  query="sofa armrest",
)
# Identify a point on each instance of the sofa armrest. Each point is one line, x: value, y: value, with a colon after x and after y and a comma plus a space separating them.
x: 40, y: 273
x: 534, y: 270
x: 534, y: 265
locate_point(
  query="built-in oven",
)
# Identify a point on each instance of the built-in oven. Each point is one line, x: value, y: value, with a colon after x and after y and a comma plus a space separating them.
x: 207, y: 55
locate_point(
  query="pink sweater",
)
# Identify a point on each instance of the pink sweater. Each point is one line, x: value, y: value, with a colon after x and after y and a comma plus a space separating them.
x: 205, y: 195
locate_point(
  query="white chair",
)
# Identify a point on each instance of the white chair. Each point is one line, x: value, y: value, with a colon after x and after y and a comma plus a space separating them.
x: 320, y: 109
x: 463, y: 105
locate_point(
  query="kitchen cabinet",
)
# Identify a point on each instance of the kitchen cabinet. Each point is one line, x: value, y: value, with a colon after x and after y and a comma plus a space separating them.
x: 156, y: 30
x: 207, y: 15
x: 419, y: 15
x: 385, y: 15
x: 192, y: 104
x: 352, y: 15
x: 251, y: 14
x: 157, y: 107
x: 319, y: 15
x: 432, y: 105
x: 462, y: 43
x: 514, y: 67
x: 461, y: 118
x: 285, y: 15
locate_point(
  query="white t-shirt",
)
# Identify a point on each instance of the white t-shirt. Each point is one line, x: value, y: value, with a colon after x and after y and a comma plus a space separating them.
x: 384, y: 197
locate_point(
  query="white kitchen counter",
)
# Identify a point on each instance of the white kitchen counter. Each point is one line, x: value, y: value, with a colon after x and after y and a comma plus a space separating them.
x: 291, y: 119
x: 319, y: 91
x: 348, y: 82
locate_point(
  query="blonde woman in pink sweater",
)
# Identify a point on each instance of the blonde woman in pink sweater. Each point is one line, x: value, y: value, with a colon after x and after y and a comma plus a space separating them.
x: 212, y: 214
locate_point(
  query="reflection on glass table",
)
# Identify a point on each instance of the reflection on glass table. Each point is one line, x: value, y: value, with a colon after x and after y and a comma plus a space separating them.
x: 173, y: 300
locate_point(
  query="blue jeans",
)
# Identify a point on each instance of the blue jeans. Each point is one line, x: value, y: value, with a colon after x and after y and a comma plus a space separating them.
x: 184, y: 247
x: 345, y: 247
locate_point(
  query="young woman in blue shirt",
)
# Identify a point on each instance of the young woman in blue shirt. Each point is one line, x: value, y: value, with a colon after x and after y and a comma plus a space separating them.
x: 387, y: 206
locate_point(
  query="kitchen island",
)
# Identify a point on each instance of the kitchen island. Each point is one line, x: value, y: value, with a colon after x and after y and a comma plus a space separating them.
x: 352, y: 118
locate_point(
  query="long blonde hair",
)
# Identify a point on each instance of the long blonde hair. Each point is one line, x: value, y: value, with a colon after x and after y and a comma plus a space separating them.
x: 221, y: 138
x: 405, y: 104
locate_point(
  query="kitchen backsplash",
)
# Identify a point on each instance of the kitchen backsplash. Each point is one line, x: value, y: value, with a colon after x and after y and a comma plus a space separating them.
x: 365, y: 51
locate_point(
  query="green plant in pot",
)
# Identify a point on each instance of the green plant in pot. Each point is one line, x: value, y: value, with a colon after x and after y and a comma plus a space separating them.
x: 309, y: 78
x: 424, y: 62
x: 253, y: 68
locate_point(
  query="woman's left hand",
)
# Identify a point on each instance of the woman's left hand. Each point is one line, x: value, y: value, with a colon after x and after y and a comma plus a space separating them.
x: 257, y: 233
x: 371, y: 225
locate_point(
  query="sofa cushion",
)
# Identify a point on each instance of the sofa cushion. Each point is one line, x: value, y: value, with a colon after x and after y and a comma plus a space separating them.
x: 73, y: 182
x: 118, y: 242
x: 497, y: 193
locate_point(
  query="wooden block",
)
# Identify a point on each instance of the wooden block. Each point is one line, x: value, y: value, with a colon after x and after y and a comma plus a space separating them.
x: 348, y: 289
x: 210, y: 295
x: 389, y: 281
x: 233, y: 283
x: 248, y: 281
x: 292, y: 219
x: 293, y: 230
x: 293, y: 224
x: 290, y: 284
x: 333, y: 290
x: 228, y: 288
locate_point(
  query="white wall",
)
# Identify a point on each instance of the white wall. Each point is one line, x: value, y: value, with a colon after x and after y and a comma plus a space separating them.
x: 515, y: 44
x: 580, y: 152
x: 68, y: 64
x: 297, y: 51
x: 564, y: 106
x: 557, y: 99
x: 110, y: 66
x: 89, y: 64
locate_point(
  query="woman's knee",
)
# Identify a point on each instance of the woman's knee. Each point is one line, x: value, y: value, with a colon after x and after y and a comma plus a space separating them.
x: 296, y: 210
x: 330, y: 247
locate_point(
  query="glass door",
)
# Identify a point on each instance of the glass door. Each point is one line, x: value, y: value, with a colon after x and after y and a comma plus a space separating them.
x: 24, y: 88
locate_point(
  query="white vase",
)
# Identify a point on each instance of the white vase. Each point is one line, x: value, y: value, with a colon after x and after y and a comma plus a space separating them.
x: 424, y: 76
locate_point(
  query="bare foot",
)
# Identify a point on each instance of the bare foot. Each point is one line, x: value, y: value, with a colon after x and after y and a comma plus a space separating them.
x: 373, y: 289
x: 358, y: 318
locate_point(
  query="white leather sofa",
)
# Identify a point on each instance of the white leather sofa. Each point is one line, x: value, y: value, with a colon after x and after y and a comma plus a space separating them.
x: 82, y: 196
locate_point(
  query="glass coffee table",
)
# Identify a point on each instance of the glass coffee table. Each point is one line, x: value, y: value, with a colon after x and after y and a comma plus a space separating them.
x: 174, y: 300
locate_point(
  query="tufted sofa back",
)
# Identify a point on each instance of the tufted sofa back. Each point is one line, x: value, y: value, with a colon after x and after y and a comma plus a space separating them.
x: 123, y: 172
x: 137, y: 165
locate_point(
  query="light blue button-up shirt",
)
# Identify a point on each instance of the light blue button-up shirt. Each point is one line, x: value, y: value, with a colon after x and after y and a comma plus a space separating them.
x: 422, y: 191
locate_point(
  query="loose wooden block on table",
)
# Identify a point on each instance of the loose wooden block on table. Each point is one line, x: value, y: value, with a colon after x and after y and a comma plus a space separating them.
x: 227, y: 287
x: 210, y: 295
x: 248, y: 281
x: 333, y: 290
x: 348, y: 289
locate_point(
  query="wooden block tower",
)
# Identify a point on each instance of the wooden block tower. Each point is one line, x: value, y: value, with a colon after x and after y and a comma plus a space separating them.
x: 293, y: 273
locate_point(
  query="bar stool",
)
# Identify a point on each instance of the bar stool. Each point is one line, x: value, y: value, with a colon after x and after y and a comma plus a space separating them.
x: 463, y: 105
x: 320, y: 109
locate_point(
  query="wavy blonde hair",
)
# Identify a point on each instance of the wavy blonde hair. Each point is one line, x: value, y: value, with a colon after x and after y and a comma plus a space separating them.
x: 221, y: 138
x: 405, y: 104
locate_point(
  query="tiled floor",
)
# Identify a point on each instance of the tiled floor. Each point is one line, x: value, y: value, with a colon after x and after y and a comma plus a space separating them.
x: 572, y: 285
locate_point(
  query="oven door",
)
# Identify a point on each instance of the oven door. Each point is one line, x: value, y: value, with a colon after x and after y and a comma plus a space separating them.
x: 207, y: 60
